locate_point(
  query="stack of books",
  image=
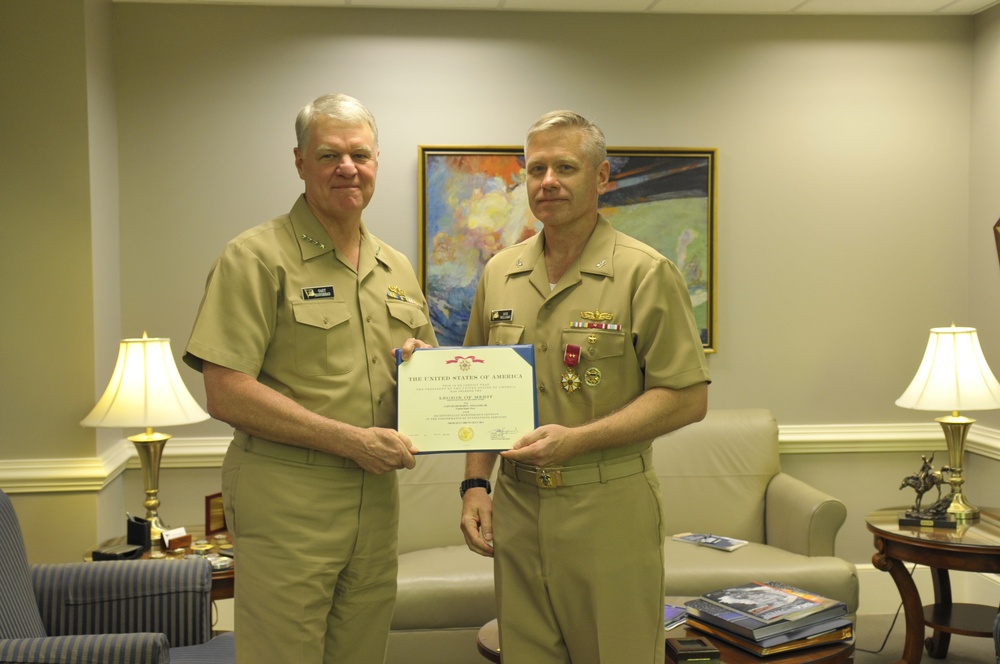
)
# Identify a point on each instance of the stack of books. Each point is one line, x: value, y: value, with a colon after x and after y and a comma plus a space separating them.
x: 769, y: 618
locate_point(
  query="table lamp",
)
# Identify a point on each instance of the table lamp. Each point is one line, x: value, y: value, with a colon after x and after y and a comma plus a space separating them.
x: 146, y: 390
x: 954, y: 376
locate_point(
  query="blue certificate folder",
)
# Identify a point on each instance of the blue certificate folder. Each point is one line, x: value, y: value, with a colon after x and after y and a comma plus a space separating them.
x: 467, y: 399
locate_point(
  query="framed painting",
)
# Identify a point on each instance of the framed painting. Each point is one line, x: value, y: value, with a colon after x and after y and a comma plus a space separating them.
x: 473, y: 202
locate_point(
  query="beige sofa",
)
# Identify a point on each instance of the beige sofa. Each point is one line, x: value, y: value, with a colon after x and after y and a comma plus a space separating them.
x: 721, y: 476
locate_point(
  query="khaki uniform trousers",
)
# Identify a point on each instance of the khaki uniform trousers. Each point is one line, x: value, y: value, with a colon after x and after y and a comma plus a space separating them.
x: 580, y: 571
x: 316, y: 560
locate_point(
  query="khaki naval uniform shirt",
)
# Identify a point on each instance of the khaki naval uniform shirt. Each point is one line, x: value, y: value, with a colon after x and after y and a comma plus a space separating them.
x: 282, y: 307
x: 649, y: 337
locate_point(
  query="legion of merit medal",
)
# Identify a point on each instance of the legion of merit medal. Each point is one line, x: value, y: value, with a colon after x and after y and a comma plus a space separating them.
x: 570, y: 381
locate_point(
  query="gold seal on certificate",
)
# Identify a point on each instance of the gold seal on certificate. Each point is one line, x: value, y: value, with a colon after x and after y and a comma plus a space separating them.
x: 472, y: 399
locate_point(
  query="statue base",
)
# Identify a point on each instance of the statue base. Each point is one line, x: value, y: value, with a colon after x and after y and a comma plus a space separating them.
x: 928, y: 520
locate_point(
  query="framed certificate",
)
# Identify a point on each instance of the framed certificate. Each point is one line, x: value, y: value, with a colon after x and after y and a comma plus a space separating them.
x: 475, y: 399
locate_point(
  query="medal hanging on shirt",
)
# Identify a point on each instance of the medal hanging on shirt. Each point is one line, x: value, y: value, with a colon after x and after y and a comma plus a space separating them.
x: 570, y: 381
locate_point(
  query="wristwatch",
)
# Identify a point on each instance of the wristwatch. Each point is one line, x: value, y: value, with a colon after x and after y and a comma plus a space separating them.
x: 474, y: 483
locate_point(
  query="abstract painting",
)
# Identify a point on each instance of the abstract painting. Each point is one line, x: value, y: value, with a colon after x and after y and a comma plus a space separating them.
x: 473, y: 202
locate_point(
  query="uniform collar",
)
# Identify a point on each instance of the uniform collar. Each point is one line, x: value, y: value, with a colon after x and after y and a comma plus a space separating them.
x: 595, y: 259
x: 600, y: 249
x: 313, y: 240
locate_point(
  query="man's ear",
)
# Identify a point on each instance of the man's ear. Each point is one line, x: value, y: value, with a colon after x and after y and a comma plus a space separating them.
x: 603, y: 176
x: 298, y: 161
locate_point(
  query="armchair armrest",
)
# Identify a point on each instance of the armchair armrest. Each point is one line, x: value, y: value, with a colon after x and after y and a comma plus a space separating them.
x: 800, y: 518
x: 170, y: 597
x: 87, y: 649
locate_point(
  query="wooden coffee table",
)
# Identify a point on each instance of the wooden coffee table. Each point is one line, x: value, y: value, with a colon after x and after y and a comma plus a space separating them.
x: 488, y: 644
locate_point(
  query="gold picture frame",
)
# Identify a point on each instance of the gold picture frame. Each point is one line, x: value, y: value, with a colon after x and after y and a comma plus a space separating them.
x: 215, y: 514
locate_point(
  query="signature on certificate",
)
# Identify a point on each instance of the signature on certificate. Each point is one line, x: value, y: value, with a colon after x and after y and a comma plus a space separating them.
x: 503, y: 433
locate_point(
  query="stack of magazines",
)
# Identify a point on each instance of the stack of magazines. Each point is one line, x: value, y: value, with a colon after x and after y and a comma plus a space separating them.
x: 769, y: 618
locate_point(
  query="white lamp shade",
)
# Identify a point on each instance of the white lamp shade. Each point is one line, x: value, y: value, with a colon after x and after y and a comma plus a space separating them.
x: 953, y: 375
x: 145, y: 390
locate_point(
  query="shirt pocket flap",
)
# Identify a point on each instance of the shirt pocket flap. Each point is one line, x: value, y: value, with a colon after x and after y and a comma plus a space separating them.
x: 407, y: 313
x: 324, y: 315
x: 505, y: 334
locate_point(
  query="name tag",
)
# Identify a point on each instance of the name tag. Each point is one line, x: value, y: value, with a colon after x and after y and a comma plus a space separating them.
x: 502, y: 315
x: 317, y: 292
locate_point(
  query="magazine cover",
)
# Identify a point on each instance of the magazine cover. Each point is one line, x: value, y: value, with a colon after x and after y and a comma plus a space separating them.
x: 713, y: 541
x: 752, y: 628
x: 769, y: 602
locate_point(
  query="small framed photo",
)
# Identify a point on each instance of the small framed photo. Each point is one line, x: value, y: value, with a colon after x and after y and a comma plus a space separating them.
x: 215, y: 515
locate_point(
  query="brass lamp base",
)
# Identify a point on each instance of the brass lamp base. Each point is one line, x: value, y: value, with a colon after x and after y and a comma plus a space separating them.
x: 149, y: 445
x: 956, y: 427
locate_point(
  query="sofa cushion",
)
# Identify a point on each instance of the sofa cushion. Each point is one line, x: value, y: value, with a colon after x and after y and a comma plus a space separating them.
x: 444, y: 587
x: 693, y: 570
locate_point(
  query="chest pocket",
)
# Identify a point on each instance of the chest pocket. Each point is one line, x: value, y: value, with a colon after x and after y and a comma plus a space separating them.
x: 505, y: 334
x: 405, y: 318
x: 602, y: 371
x: 323, y: 338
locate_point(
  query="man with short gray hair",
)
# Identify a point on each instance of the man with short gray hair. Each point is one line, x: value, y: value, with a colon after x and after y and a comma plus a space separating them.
x: 295, y: 337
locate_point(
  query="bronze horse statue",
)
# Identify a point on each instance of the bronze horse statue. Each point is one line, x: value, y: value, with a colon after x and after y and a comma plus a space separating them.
x: 924, y: 480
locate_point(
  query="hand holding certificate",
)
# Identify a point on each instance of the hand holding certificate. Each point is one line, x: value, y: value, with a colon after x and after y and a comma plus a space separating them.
x: 472, y: 399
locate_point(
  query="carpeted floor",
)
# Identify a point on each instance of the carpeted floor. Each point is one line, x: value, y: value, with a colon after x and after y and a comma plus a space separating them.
x: 871, y: 631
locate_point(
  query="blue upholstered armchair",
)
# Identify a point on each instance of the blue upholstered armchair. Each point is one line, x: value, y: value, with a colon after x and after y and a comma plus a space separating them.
x: 115, y: 612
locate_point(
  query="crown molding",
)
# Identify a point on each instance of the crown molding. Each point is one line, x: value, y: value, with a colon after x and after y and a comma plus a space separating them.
x: 89, y: 474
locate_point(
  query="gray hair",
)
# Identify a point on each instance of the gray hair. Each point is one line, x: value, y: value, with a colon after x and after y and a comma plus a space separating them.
x: 593, y: 138
x: 338, y: 107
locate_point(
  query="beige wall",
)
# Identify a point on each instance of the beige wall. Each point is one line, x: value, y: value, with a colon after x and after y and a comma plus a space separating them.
x: 857, y: 170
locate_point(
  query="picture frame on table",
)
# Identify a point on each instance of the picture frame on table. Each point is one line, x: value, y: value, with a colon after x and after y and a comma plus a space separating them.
x: 473, y: 203
x: 215, y: 514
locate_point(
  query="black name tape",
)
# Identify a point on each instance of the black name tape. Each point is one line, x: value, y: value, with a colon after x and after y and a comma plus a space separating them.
x: 317, y: 292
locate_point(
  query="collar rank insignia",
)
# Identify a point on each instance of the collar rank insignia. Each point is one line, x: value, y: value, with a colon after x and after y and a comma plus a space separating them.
x: 314, y: 241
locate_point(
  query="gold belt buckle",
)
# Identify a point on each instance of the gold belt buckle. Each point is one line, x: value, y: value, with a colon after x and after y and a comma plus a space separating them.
x: 548, y: 479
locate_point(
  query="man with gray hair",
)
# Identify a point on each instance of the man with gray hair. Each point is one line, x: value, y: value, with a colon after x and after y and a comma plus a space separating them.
x: 575, y: 526
x: 295, y: 338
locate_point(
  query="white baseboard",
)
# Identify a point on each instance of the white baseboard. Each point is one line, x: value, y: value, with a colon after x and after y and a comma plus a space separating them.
x: 879, y: 594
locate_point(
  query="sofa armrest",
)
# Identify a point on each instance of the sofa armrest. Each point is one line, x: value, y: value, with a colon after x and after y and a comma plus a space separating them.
x: 172, y: 597
x: 87, y: 649
x: 800, y: 518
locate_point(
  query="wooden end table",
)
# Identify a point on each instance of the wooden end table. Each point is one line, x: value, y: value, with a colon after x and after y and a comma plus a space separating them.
x: 223, y: 580
x: 488, y: 643
x: 971, y: 547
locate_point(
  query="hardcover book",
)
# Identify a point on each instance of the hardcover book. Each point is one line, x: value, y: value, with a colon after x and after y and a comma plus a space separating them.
x: 712, y: 541
x: 769, y: 601
x: 831, y: 635
x: 751, y: 628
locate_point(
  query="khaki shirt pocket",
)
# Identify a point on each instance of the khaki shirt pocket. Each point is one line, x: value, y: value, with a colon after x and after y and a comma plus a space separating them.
x: 405, y: 318
x: 323, y: 343
x: 602, y: 369
x: 505, y: 334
